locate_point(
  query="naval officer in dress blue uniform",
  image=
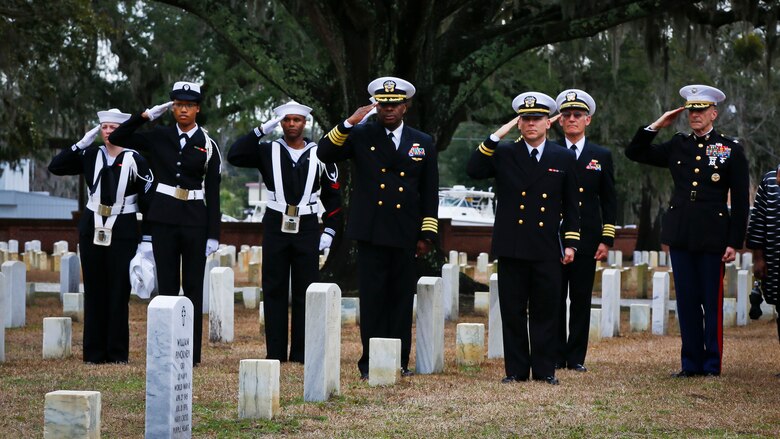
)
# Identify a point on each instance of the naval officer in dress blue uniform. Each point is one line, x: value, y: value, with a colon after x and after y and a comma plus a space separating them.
x: 701, y: 231
x: 536, y: 232
x: 108, y: 234
x: 393, y: 213
x: 597, y: 203
x: 296, y: 180
x: 184, y: 213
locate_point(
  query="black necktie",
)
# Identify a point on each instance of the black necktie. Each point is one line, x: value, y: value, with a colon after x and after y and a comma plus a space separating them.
x: 390, y: 137
x: 534, y: 154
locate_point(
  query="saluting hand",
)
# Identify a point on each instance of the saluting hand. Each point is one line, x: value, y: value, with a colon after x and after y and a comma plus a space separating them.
x: 555, y: 118
x: 270, y: 125
x: 157, y: 111
x: 666, y: 119
x: 504, y: 130
x: 88, y: 138
x: 568, y: 256
x: 358, y: 115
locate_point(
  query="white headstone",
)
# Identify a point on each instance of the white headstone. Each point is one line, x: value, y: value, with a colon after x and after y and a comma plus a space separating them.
x: 453, y: 258
x: 16, y: 293
x: 463, y: 258
x: 430, y: 326
x: 261, y: 313
x: 3, y: 301
x: 56, y: 337
x: 744, y: 284
x: 618, y: 259
x: 594, y: 330
x: 35, y: 245
x: 384, y: 361
x: 70, y: 272
x: 660, y: 298
x: 256, y: 254
x: 768, y: 312
x: 738, y: 260
x: 730, y: 287
x: 258, y: 389
x: 481, y: 303
x: 211, y: 263
x: 637, y: 257
x: 13, y: 246
x: 243, y: 261
x: 221, y: 305
x: 482, y: 263
x: 729, y: 312
x: 469, y: 344
x: 495, y: 331
x: 645, y: 257
x: 169, y: 344
x: 639, y: 317
x: 611, y: 258
x: 747, y: 260
x: 662, y: 259
x: 73, y: 306
x: 350, y: 310
x: 71, y: 414
x: 653, y: 261
x: 231, y: 250
x: 610, y: 303
x: 4, y: 245
x: 60, y: 247
x: 322, y: 357
x: 251, y: 296
x: 450, y: 276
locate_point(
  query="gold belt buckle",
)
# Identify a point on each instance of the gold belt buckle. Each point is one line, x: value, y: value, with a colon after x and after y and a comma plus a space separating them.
x: 292, y: 210
x: 181, y: 194
x: 104, y: 210
x: 693, y: 195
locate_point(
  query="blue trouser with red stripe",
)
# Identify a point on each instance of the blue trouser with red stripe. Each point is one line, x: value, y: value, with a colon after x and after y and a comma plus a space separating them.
x: 698, y: 282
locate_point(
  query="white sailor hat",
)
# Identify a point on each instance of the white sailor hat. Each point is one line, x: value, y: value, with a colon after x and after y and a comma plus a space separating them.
x: 391, y: 89
x: 112, y: 116
x: 292, y: 107
x: 575, y: 99
x: 699, y: 97
x: 186, y: 91
x: 533, y: 103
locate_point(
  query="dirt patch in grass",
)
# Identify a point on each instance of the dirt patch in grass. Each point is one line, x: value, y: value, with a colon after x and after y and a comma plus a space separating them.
x: 626, y: 393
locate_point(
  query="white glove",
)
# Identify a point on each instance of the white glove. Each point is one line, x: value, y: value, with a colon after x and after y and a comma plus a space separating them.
x: 158, y: 110
x: 146, y: 250
x: 211, y: 246
x: 88, y: 138
x: 270, y: 125
x: 370, y: 113
x: 325, y: 241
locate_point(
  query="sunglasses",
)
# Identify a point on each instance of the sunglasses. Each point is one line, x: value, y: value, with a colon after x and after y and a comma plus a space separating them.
x: 574, y: 114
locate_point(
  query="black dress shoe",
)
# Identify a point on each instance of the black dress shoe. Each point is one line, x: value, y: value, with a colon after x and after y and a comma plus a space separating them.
x: 551, y: 380
x: 512, y: 379
x: 684, y: 374
x: 578, y: 368
x: 406, y: 372
x: 363, y: 376
x: 560, y: 365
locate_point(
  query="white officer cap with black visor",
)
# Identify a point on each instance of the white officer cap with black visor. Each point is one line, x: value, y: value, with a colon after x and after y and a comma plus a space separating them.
x: 292, y: 107
x: 186, y: 91
x: 389, y: 89
x: 699, y: 97
x: 576, y: 99
x: 534, y: 103
x: 112, y: 116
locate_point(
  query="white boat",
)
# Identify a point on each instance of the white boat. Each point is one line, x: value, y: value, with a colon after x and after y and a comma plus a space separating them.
x: 466, y: 206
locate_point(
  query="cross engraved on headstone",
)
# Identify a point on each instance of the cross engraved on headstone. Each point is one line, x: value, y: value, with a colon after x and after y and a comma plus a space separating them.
x: 183, y: 315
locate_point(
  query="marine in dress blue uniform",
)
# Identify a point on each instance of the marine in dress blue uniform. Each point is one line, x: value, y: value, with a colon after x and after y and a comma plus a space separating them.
x: 108, y: 234
x: 597, y: 203
x: 183, y: 215
x: 536, y: 230
x: 701, y: 231
x: 392, y: 212
x: 296, y: 180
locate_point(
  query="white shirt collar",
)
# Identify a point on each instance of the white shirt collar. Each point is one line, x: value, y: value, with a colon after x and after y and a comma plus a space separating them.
x: 580, y: 145
x: 539, y: 148
x: 189, y: 133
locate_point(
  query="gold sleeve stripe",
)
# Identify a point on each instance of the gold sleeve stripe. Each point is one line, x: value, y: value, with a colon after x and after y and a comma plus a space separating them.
x: 571, y: 235
x: 430, y: 224
x: 429, y: 229
x: 485, y: 150
x: 337, y: 137
x: 609, y: 230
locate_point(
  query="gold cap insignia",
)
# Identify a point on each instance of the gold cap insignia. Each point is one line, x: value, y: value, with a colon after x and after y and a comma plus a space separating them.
x: 389, y: 86
x: 530, y: 101
x: 570, y: 96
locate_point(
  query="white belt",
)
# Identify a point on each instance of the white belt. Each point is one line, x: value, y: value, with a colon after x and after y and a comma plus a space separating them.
x: 291, y: 210
x: 128, y: 205
x: 180, y: 193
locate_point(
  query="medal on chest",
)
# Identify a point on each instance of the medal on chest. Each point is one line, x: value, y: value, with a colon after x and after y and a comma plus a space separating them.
x: 717, y: 153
